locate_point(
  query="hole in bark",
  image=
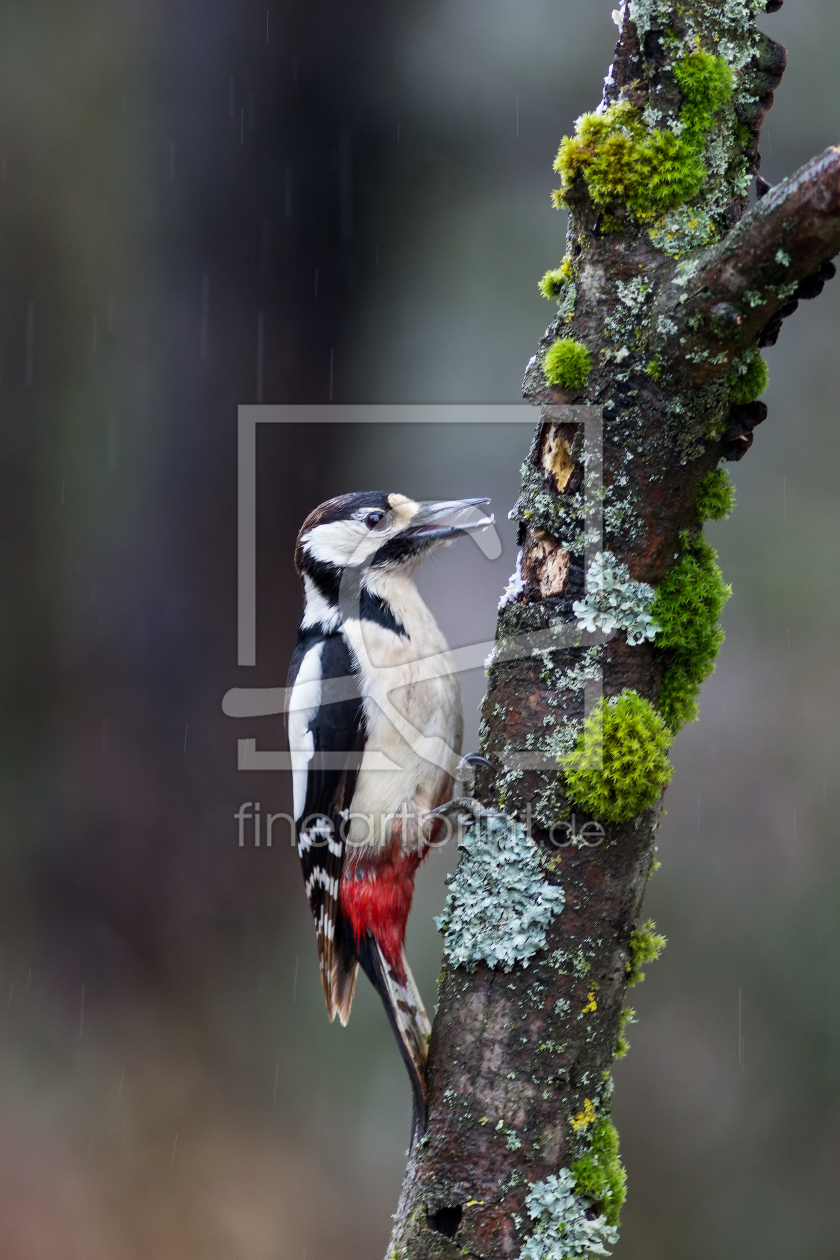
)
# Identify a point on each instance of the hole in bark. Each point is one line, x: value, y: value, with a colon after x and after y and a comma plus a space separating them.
x: 544, y: 564
x: 557, y: 458
x: 446, y: 1220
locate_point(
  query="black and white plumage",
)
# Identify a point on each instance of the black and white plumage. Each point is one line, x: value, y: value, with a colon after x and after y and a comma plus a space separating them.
x: 322, y: 740
x: 375, y: 727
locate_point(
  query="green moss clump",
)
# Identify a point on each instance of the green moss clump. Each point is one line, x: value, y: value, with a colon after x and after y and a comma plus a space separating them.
x: 567, y: 363
x: 680, y: 687
x: 554, y: 281
x: 706, y: 83
x: 745, y: 387
x: 644, y: 947
x: 686, y: 607
x: 621, y: 162
x: 552, y: 284
x: 599, y: 1175
x: 715, y: 496
x: 622, y: 1045
x: 619, y: 765
x: 647, y: 171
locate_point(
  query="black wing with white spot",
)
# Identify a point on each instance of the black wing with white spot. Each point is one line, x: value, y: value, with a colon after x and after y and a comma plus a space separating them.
x: 326, y: 739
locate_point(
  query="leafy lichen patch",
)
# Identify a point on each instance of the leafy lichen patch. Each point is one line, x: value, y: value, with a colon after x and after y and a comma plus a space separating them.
x: 720, y: 17
x: 565, y: 1227
x: 500, y: 904
x: 614, y: 601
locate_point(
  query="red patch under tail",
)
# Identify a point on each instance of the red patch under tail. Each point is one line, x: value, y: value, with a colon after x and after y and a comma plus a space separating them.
x: 376, y: 895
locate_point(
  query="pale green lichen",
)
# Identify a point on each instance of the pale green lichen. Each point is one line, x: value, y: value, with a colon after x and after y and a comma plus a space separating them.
x: 566, y: 306
x: 564, y: 1227
x: 500, y: 905
x: 622, y: 519
x: 634, y: 293
x: 589, y: 668
x: 614, y: 601
x: 682, y: 230
x: 628, y: 324
x: 563, y: 516
x: 720, y: 15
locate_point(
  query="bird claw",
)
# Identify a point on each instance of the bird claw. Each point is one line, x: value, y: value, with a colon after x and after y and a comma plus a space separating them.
x: 473, y: 759
x: 465, y: 773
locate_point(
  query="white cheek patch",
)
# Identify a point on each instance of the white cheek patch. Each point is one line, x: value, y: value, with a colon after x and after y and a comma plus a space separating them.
x: 340, y: 543
x: 303, y: 705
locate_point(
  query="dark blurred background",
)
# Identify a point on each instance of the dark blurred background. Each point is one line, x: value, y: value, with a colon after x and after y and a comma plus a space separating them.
x: 204, y: 204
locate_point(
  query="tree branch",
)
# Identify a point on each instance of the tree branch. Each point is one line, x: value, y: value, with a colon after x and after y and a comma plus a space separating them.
x: 663, y: 305
x: 734, y: 291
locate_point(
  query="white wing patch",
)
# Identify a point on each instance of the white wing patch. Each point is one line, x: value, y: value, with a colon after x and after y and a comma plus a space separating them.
x: 303, y: 705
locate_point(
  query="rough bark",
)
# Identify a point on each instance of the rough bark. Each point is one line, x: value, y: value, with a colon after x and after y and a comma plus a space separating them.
x: 518, y: 1055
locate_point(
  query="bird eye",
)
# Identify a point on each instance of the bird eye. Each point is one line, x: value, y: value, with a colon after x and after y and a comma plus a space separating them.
x: 373, y: 519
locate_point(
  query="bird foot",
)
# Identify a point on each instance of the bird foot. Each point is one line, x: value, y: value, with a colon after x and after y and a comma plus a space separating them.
x: 460, y: 806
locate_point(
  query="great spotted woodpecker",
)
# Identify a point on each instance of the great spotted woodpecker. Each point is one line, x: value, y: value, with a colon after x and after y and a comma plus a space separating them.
x: 375, y: 728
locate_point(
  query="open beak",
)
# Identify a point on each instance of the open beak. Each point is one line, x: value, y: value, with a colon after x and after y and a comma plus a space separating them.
x: 435, y: 522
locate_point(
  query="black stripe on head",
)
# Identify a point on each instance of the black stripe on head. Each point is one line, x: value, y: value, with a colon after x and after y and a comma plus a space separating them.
x: 400, y: 548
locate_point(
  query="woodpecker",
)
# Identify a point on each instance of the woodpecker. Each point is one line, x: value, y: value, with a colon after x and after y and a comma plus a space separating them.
x: 374, y: 726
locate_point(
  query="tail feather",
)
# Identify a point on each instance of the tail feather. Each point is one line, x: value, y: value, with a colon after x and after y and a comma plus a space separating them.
x: 339, y: 967
x: 414, y: 1022
x: 407, y: 1017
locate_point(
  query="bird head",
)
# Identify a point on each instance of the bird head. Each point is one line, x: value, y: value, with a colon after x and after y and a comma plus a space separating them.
x: 377, y: 531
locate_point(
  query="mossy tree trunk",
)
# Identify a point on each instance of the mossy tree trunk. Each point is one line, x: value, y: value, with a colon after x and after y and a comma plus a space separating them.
x: 669, y: 289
